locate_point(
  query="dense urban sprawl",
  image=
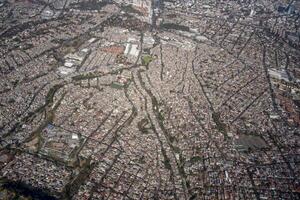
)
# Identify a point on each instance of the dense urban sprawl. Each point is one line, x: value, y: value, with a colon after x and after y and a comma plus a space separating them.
x: 149, y: 99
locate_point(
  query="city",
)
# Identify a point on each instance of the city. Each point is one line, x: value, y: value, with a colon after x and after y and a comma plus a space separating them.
x: 150, y: 99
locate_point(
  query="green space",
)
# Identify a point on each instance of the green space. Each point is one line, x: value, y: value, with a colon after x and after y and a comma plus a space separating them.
x: 220, y: 125
x: 117, y: 86
x: 146, y: 60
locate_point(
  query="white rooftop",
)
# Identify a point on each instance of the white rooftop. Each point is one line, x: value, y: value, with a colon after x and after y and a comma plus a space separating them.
x: 65, y: 70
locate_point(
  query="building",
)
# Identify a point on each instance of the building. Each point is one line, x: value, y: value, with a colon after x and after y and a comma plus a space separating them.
x: 145, y: 6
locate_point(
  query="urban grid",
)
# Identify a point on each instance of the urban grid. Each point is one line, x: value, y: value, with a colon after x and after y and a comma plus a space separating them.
x: 150, y: 99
